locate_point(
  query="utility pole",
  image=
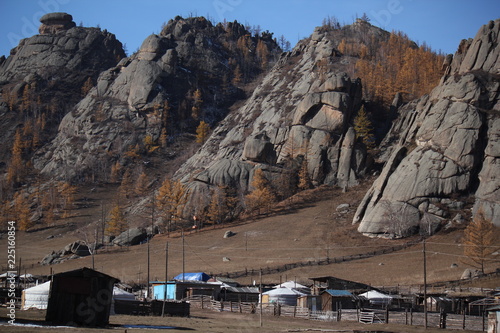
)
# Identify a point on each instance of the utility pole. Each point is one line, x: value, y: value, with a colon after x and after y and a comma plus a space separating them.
x: 183, y: 257
x: 166, y: 279
x: 425, y: 287
x: 260, y: 289
x: 151, y: 235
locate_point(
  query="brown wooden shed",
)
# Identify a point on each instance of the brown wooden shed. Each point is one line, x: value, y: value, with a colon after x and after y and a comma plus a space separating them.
x: 80, y: 298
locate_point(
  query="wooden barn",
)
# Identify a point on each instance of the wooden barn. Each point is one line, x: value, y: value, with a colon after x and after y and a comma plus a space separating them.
x: 333, y: 300
x: 80, y: 298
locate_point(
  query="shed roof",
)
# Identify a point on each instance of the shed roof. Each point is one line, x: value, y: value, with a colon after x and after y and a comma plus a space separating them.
x: 339, y: 293
x: 192, y: 277
x: 85, y: 272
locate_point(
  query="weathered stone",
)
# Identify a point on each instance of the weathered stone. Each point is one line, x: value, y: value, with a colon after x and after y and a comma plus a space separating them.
x: 130, y: 237
x: 452, y: 129
x: 342, y: 208
x: 78, y: 247
x: 55, y: 22
x: 470, y: 274
x: 259, y: 149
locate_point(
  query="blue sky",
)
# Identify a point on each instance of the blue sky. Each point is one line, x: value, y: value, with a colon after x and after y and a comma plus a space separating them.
x: 440, y: 23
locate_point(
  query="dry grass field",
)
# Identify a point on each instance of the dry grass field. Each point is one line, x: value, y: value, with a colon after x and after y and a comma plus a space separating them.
x: 207, y: 322
x: 308, y: 230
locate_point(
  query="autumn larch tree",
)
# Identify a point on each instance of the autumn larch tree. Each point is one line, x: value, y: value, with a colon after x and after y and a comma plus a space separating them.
x: 197, y: 103
x: 304, y: 179
x: 262, y: 194
x: 363, y: 127
x: 170, y: 200
x: 16, y: 169
x: 117, y: 222
x: 202, y: 132
x: 480, y: 241
x: 22, y: 211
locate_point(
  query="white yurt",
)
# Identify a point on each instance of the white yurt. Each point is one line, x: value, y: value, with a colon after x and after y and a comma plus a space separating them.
x: 36, y: 297
x: 120, y: 295
x: 377, y: 298
x: 283, y: 296
x: 294, y: 285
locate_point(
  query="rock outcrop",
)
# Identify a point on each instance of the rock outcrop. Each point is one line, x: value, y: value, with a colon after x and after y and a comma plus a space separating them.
x: 149, y: 92
x: 50, y: 69
x: 446, y: 146
x: 55, y: 22
x: 300, y: 111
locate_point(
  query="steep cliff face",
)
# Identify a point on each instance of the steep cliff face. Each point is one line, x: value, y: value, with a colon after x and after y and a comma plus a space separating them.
x: 445, y: 145
x: 44, y: 74
x: 300, y: 111
x: 153, y: 91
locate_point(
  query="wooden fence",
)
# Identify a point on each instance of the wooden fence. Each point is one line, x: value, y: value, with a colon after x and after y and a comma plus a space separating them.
x: 154, y: 308
x: 368, y: 316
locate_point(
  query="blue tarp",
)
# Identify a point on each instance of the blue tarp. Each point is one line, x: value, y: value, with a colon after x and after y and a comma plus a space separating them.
x: 193, y: 277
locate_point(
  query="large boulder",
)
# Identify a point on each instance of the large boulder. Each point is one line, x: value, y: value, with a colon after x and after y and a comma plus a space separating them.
x: 55, y: 22
x: 130, y: 237
x: 78, y: 247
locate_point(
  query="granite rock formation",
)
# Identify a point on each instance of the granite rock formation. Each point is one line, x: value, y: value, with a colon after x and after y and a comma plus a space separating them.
x: 444, y: 146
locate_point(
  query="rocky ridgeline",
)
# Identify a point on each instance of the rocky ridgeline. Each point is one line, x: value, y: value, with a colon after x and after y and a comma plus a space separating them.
x: 127, y: 103
x: 54, y: 66
x: 444, y: 146
x: 299, y: 111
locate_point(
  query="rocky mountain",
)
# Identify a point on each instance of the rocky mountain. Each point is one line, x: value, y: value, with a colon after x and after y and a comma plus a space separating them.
x: 444, y: 148
x: 281, y: 115
x: 44, y: 74
x: 301, y: 111
x: 188, y: 73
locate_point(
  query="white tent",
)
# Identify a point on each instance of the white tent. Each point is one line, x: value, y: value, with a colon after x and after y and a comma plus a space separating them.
x: 294, y: 285
x: 36, y: 297
x: 291, y: 285
x: 120, y: 295
x: 377, y: 298
x: 284, y: 296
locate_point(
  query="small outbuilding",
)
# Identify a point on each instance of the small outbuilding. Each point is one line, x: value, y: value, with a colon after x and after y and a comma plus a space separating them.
x: 81, y: 297
x: 332, y: 300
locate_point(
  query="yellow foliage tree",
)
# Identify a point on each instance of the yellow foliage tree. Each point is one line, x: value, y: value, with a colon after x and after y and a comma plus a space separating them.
x: 262, y: 195
x: 480, y: 241
x: 304, y: 179
x: 22, y: 212
x: 197, y: 103
x: 117, y: 222
x: 202, y: 132
x: 67, y: 194
x: 171, y: 199
x: 141, y: 184
x: 16, y: 169
x: 363, y: 127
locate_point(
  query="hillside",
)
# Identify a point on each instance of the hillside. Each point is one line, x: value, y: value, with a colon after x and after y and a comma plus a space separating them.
x: 209, y: 127
x: 266, y: 242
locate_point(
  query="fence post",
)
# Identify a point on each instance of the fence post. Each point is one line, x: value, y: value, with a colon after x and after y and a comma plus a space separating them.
x: 406, y: 316
x: 387, y: 315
